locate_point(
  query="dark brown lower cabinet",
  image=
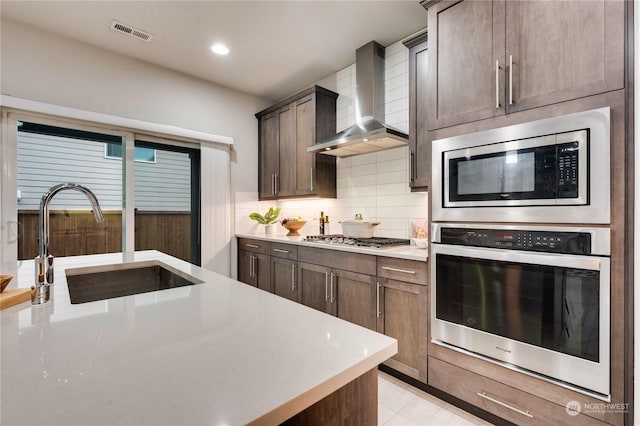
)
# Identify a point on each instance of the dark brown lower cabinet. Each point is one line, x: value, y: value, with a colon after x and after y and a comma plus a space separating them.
x: 345, y: 294
x: 353, y: 297
x: 388, y: 295
x: 254, y: 263
x: 313, y: 281
x: 283, y: 278
x: 253, y: 269
x: 403, y: 312
x: 509, y: 403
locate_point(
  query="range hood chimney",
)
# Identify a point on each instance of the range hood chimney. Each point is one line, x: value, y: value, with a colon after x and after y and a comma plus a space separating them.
x: 370, y: 133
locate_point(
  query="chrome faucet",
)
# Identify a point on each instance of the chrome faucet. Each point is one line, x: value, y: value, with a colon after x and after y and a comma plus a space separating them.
x: 44, y: 261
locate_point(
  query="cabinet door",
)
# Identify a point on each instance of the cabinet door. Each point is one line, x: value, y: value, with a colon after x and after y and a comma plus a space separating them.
x: 353, y: 297
x: 420, y: 148
x: 403, y: 314
x: 245, y: 267
x: 262, y: 272
x: 286, y: 176
x: 283, y: 278
x: 305, y: 137
x: 269, y: 155
x: 562, y: 50
x: 466, y: 39
x: 313, y: 281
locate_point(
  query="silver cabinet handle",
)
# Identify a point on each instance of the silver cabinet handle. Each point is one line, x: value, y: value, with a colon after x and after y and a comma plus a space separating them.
x: 255, y: 267
x: 326, y: 286
x: 311, y: 178
x: 378, y: 300
x: 277, y: 180
x: 404, y: 271
x: 250, y: 266
x: 510, y: 79
x: 251, y: 245
x: 293, y: 277
x: 332, y: 299
x: 411, y: 166
x: 280, y: 250
x: 505, y: 405
x: 497, y: 84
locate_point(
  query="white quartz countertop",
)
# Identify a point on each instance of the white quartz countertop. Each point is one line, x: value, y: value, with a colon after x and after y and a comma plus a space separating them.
x: 217, y: 353
x: 401, y: 252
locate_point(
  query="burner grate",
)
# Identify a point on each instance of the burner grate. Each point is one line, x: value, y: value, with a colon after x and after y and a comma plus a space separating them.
x: 361, y: 242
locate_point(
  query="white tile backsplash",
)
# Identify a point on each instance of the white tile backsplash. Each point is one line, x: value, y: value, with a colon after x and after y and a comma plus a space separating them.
x: 376, y: 184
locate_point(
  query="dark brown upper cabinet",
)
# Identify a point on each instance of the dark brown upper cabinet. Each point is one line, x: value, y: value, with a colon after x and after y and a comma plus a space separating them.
x: 286, y: 130
x: 419, y: 145
x: 490, y: 58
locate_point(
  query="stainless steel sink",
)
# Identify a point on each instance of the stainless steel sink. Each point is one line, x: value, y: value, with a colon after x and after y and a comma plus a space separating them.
x: 108, y: 281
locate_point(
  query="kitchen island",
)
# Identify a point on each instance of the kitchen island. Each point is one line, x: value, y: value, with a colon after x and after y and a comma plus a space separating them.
x: 215, y: 353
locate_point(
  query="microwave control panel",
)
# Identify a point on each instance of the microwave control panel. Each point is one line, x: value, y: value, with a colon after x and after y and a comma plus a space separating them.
x: 567, y: 158
x: 556, y: 242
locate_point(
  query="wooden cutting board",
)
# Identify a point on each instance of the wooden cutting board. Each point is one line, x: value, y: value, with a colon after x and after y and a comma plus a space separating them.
x: 13, y: 297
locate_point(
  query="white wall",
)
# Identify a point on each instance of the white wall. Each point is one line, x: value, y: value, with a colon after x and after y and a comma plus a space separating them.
x: 41, y: 66
x: 376, y: 184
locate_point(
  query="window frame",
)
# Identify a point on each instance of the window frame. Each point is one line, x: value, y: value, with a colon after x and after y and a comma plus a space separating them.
x: 215, y: 190
x: 137, y: 148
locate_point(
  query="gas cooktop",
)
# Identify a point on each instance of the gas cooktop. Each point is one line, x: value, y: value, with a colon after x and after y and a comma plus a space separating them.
x: 338, y: 239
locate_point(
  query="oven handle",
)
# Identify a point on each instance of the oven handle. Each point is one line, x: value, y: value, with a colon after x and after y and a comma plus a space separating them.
x: 591, y: 263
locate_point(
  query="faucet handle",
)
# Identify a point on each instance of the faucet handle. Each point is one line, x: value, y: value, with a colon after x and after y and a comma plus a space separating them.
x: 39, y: 270
x: 49, y: 269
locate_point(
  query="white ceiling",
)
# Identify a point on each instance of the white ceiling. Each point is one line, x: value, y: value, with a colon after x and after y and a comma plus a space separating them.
x: 277, y: 48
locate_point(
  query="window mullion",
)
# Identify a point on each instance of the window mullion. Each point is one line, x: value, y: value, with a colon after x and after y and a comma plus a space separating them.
x: 128, y: 195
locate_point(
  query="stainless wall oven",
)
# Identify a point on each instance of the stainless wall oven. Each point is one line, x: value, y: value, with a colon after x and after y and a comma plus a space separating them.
x: 535, y: 299
x: 553, y: 171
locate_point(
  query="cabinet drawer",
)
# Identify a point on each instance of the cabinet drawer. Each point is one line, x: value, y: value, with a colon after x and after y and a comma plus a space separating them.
x: 504, y: 401
x: 287, y: 251
x: 412, y: 271
x: 355, y: 262
x: 256, y: 246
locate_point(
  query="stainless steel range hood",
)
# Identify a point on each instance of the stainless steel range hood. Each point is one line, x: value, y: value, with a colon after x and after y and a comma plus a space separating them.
x: 370, y: 133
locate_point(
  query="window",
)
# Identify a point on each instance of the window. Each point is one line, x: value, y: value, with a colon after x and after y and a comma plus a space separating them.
x: 165, y: 196
x: 140, y: 154
x: 48, y: 155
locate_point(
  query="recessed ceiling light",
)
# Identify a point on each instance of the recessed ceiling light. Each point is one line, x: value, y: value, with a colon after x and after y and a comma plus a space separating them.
x: 220, y: 49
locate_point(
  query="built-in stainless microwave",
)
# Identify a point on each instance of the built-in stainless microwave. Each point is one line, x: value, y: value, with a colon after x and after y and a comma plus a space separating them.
x: 553, y: 171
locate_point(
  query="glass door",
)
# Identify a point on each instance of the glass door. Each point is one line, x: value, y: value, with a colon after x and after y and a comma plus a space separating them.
x: 49, y: 155
x: 549, y: 306
x: 167, y: 199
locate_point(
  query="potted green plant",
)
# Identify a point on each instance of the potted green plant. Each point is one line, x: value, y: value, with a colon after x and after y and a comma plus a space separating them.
x: 268, y: 219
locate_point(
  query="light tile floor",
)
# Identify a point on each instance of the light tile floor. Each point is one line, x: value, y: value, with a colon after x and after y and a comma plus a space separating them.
x: 400, y: 404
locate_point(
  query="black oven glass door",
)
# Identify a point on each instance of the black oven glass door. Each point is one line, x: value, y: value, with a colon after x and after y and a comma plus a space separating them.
x: 552, y: 307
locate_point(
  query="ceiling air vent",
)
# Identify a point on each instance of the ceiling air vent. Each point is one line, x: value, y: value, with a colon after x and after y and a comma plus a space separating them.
x: 131, y: 31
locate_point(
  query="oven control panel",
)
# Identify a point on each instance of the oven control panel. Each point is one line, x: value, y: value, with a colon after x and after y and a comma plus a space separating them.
x: 511, y: 239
